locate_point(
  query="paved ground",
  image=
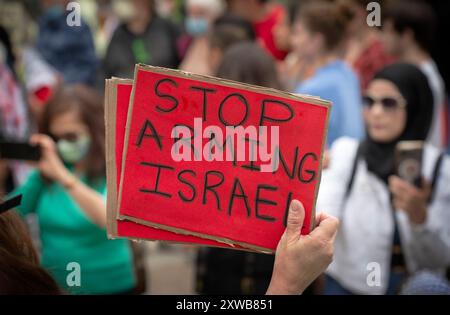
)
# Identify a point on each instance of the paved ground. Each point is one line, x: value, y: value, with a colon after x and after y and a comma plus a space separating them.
x: 170, y: 269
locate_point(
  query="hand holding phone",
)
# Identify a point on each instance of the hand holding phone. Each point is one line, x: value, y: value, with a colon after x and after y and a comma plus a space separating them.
x: 409, y: 161
x: 410, y: 192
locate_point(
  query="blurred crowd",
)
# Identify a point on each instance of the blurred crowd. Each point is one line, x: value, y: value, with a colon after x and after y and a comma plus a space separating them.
x: 383, y: 81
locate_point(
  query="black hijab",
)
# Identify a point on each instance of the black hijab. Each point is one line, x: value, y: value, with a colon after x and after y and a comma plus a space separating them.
x: 413, y: 86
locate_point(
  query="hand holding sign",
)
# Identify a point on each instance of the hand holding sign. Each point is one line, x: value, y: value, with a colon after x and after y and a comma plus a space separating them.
x: 302, y: 258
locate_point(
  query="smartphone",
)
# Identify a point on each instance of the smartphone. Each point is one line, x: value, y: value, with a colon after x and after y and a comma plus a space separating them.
x: 408, y: 159
x: 19, y: 151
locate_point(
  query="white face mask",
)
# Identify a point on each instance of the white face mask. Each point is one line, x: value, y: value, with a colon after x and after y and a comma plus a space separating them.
x: 73, y: 151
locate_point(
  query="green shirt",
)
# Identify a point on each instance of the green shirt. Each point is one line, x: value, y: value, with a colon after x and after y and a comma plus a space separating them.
x: 68, y: 235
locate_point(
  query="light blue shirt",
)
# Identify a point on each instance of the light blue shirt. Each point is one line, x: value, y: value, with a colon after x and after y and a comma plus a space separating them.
x: 337, y: 83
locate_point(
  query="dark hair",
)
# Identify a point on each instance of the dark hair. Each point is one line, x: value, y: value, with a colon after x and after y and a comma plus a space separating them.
x: 248, y: 63
x: 361, y: 3
x: 233, y: 20
x: 415, y: 15
x: 326, y: 18
x: 228, y: 30
x: 89, y: 105
x: 20, y: 272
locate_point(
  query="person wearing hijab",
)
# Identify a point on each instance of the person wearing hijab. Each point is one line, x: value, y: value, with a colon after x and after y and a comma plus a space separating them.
x: 389, y: 228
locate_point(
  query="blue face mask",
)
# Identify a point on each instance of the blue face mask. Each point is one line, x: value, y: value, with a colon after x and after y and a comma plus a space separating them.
x: 196, y: 26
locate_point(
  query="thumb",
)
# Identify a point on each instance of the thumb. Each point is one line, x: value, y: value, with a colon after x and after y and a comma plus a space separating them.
x: 295, y: 219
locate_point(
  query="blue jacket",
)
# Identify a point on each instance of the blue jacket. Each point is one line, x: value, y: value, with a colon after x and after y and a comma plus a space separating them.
x: 69, y: 49
x: 337, y: 83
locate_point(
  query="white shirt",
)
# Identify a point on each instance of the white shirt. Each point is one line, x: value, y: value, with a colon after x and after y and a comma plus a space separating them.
x: 366, y: 231
x: 436, y: 134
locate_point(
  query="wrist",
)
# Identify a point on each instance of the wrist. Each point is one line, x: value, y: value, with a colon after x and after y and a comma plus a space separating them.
x: 61, y: 173
x: 283, y: 287
x: 67, y: 180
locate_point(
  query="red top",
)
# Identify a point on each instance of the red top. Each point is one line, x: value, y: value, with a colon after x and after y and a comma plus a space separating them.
x: 370, y: 61
x: 264, y: 31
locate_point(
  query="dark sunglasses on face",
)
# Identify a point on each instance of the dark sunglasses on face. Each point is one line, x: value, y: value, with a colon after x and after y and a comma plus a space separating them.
x: 388, y: 102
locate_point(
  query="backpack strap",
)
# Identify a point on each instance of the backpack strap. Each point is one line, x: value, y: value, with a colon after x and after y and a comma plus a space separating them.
x: 351, y: 180
x: 436, y: 173
x: 352, y: 174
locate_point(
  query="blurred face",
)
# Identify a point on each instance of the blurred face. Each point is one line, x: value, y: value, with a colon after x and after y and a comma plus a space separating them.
x: 393, y: 41
x: 246, y: 9
x: 165, y: 8
x: 198, y: 11
x: 384, y: 111
x: 71, y: 136
x: 306, y: 44
x: 141, y: 9
x: 68, y: 126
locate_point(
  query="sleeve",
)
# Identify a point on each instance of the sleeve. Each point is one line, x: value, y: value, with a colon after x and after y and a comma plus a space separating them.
x: 335, y: 178
x: 430, y: 242
x: 31, y: 191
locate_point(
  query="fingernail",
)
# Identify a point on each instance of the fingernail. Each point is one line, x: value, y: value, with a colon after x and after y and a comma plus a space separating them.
x: 295, y: 205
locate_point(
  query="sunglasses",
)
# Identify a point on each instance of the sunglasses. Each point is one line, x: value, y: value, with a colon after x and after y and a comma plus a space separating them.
x: 389, y: 103
x: 70, y: 136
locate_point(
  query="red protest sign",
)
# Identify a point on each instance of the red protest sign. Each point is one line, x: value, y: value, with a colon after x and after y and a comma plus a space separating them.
x: 118, y: 93
x: 232, y: 201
